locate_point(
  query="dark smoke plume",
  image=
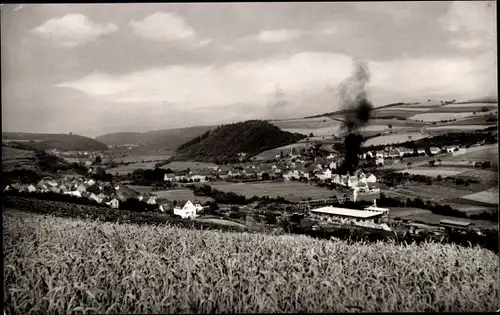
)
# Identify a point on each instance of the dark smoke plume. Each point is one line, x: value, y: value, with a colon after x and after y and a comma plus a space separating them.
x: 357, y: 114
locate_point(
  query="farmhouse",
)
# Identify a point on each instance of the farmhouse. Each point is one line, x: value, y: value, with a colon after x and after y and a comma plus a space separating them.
x: 405, y: 152
x: 113, y: 203
x: 451, y: 149
x: 421, y: 151
x: 169, y: 177
x: 379, y: 161
x: 434, y: 150
x: 186, y: 209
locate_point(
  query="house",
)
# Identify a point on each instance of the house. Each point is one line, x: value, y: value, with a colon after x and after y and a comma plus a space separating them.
x: 291, y: 174
x: 336, y: 179
x: 180, y: 177
x: 169, y: 177
x: 63, y: 188
x: 393, y: 154
x: 81, y: 188
x: 151, y: 200
x: 95, y: 198
x: 90, y: 182
x: 88, y: 163
x: 333, y: 165
x: 370, y: 178
x: 326, y: 174
x: 331, y: 156
x: 405, y: 152
x: 185, y: 209
x: 7, y: 188
x: 199, y: 178
x: 113, y: 203
x: 379, y: 154
x: 451, y: 149
x: 379, y: 161
x: 73, y: 193
x: 421, y: 151
x: 31, y: 189
x: 434, y: 150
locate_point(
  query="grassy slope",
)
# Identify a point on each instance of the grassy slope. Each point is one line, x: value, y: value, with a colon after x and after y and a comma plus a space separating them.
x: 64, y: 266
x: 62, y: 142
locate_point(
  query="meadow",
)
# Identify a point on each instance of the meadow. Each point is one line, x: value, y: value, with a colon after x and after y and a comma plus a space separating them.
x: 177, y: 166
x: 290, y: 190
x: 458, y: 128
x: 125, y: 169
x: 56, y: 265
x: 487, y: 196
x: 394, y: 138
x: 433, y: 171
x: 180, y: 194
x: 438, y: 115
x: 469, y: 107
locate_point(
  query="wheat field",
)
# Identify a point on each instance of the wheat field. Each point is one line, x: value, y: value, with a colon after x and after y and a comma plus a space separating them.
x: 58, y: 265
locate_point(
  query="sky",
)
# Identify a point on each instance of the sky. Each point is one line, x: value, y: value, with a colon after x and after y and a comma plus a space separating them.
x: 93, y: 69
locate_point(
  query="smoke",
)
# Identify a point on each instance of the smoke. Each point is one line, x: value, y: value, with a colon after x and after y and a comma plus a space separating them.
x: 357, y: 110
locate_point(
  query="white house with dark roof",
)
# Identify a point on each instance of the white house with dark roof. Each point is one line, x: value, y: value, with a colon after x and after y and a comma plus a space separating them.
x: 186, y: 209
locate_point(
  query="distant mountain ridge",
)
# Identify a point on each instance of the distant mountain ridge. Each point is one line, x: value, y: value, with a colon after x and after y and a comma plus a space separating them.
x: 157, y: 139
x: 47, y: 141
x: 227, y: 141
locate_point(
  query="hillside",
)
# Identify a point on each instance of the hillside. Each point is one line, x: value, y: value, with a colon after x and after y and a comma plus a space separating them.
x: 158, y: 139
x: 28, y: 166
x: 226, y: 141
x: 46, y: 141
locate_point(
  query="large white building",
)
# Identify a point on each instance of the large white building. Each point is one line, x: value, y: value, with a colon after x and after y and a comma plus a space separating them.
x: 187, y: 209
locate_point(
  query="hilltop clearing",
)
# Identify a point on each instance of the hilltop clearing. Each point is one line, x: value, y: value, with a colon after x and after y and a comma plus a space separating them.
x: 226, y: 141
x: 158, y: 139
x: 47, y: 141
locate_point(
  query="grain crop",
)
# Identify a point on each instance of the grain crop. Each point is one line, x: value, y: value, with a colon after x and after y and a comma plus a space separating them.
x: 57, y: 265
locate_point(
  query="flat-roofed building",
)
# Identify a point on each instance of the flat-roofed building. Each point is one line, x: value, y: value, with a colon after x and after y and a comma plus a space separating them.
x: 353, y: 215
x: 374, y: 208
x: 452, y: 224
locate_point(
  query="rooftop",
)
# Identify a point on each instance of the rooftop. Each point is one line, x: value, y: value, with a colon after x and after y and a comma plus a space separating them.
x: 346, y: 212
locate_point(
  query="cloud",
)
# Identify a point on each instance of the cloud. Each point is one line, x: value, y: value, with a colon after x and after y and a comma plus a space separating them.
x: 72, y: 30
x: 285, y: 35
x: 18, y: 7
x: 166, y: 27
x: 472, y: 23
x: 276, y: 36
x: 299, y: 76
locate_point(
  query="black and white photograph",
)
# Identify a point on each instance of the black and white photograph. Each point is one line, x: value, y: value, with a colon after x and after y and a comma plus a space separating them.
x: 250, y: 157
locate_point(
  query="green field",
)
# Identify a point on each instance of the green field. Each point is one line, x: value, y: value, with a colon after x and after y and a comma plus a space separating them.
x: 394, y: 138
x: 293, y: 191
x: 125, y: 169
x: 184, y: 165
x: 488, y: 196
x: 180, y: 194
x: 55, y: 265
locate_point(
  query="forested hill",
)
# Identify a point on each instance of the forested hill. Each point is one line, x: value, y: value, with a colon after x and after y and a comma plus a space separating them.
x: 226, y: 141
x: 46, y: 141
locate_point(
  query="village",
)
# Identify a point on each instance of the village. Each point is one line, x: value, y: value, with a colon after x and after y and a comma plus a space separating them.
x: 306, y: 165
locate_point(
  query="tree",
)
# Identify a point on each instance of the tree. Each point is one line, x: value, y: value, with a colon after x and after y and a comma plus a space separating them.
x: 439, y: 178
x: 484, y: 109
x: 98, y: 159
x: 408, y: 164
x: 311, y: 135
x: 390, y: 126
x: 265, y: 176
